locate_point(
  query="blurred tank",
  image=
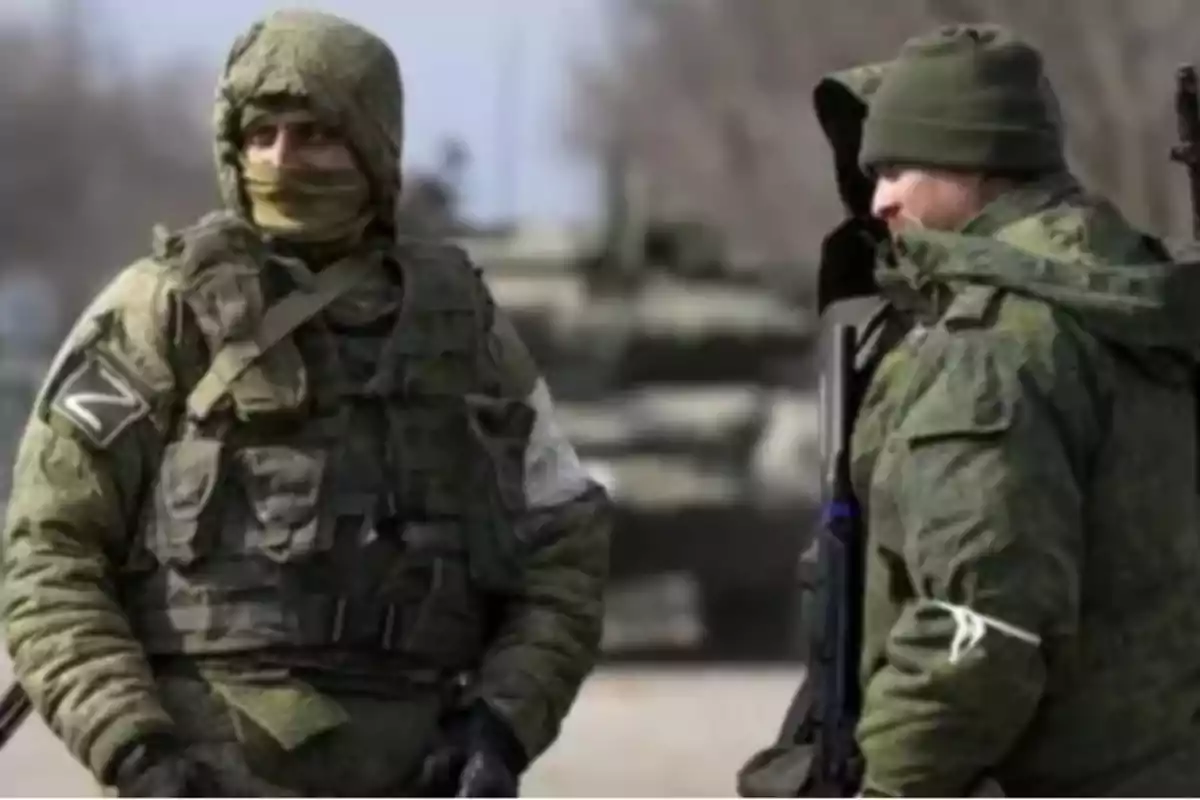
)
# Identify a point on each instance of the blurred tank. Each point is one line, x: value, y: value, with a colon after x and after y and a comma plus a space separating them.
x: 688, y: 391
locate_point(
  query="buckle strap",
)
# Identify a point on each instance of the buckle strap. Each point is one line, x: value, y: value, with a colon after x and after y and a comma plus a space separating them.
x: 316, y: 621
x: 350, y: 623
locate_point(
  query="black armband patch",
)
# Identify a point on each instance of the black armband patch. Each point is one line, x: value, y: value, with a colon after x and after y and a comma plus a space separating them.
x: 99, y: 400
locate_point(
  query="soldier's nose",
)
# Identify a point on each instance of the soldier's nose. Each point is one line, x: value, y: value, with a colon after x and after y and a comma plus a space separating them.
x: 282, y: 151
x: 885, y: 208
x: 887, y: 201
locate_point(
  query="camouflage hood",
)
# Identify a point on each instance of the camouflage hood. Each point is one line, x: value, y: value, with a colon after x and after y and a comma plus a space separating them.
x: 346, y: 75
x: 1076, y: 253
x: 848, y: 251
x: 840, y: 100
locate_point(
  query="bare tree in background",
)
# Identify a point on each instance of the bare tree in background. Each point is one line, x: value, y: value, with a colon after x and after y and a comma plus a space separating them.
x: 92, y: 154
x: 713, y: 100
x: 91, y: 157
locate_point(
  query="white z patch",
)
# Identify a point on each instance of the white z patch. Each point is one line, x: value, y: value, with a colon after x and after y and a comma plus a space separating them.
x: 99, y: 401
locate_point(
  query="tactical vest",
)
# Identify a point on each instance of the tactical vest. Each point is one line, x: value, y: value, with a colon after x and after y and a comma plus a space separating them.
x: 352, y: 489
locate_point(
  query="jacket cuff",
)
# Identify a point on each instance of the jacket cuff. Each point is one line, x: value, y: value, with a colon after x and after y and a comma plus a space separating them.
x: 499, y: 735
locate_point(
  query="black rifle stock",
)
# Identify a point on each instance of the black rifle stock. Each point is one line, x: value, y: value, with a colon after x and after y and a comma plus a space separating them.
x: 815, y: 753
x: 836, y: 641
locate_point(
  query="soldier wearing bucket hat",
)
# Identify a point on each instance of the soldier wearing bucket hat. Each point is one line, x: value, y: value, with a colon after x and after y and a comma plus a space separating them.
x: 1025, y: 457
x: 1021, y: 455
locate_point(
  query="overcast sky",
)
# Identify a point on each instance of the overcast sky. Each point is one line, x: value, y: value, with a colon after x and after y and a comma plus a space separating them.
x: 492, y: 71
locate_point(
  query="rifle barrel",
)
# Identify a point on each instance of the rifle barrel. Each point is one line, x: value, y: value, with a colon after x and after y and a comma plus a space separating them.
x: 1187, y: 152
x: 15, y: 705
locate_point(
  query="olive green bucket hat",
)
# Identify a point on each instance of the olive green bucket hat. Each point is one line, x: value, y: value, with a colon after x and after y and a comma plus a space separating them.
x: 966, y: 97
x: 840, y: 100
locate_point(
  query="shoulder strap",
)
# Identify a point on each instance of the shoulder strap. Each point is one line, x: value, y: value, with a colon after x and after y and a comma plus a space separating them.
x: 280, y: 319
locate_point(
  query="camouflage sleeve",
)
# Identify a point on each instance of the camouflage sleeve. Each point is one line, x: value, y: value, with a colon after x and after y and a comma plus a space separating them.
x: 93, y: 436
x: 980, y: 479
x: 549, y: 638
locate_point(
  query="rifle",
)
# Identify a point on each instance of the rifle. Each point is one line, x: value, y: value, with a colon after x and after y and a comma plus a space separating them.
x: 815, y: 753
x: 15, y: 706
x: 836, y: 643
x: 1187, y: 151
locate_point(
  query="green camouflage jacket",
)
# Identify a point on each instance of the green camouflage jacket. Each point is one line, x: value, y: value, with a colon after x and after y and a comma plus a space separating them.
x: 94, y: 457
x: 1027, y: 459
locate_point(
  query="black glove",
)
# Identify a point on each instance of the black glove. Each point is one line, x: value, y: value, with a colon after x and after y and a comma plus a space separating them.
x: 848, y: 258
x: 160, y: 767
x: 477, y: 755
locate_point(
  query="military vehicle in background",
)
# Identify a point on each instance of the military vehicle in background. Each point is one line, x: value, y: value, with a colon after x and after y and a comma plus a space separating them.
x: 688, y: 391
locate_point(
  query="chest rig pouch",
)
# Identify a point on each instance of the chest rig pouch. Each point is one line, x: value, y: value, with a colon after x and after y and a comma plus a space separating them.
x: 262, y: 537
x: 459, y: 440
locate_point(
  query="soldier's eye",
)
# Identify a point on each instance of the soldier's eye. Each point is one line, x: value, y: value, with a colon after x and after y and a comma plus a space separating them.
x: 261, y: 135
x: 315, y: 133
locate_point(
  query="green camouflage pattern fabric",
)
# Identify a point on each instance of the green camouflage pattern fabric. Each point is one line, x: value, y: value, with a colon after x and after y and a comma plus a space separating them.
x: 1027, y: 462
x: 966, y: 97
x: 319, y: 723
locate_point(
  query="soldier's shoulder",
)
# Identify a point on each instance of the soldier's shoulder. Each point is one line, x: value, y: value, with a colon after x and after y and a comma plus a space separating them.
x: 113, y: 362
x: 137, y: 292
x: 990, y: 353
x: 1015, y: 324
x: 417, y: 251
x: 993, y: 291
x: 442, y: 267
x: 142, y: 293
x: 133, y: 319
x: 216, y: 237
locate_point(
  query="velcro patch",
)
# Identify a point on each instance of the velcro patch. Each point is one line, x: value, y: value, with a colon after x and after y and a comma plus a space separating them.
x: 98, y: 400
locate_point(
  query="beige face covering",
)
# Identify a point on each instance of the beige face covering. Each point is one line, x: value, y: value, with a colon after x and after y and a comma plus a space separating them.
x: 307, y: 204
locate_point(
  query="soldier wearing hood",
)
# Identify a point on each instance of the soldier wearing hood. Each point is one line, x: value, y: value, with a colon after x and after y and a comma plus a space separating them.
x: 1026, y: 457
x: 292, y: 515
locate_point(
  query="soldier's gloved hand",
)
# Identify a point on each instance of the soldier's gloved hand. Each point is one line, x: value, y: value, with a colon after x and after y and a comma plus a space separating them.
x: 477, y: 756
x: 848, y: 256
x: 160, y: 767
